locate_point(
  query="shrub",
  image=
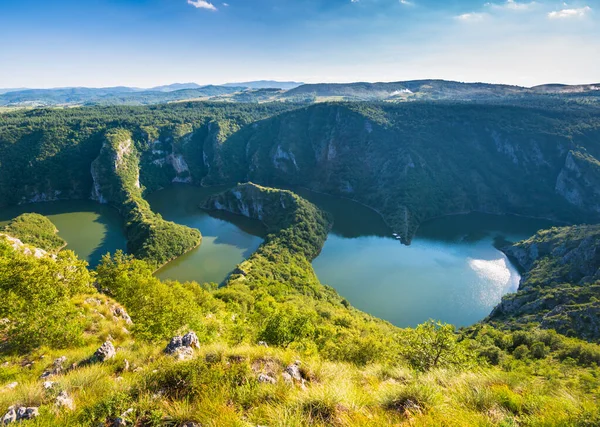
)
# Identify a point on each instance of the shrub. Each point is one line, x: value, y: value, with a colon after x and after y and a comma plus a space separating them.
x: 434, y: 344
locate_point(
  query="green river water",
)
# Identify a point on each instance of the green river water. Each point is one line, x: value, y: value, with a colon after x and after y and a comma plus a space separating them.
x: 452, y: 271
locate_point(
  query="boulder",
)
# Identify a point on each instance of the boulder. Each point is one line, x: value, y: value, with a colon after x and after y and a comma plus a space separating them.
x: 57, y: 367
x: 264, y: 378
x: 190, y: 340
x: 182, y: 347
x: 19, y: 413
x: 292, y: 374
x: 120, y: 312
x: 183, y: 353
x: 63, y: 400
x: 105, y: 352
x: 10, y: 416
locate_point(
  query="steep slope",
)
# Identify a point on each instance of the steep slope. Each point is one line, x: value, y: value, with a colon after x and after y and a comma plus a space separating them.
x: 116, y: 181
x: 561, y: 284
x: 415, y: 162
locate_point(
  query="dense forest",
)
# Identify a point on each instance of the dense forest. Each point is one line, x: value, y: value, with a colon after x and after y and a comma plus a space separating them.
x: 273, y: 346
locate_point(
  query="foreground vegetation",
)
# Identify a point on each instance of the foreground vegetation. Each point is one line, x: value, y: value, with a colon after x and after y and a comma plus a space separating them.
x: 433, y: 376
x: 274, y: 348
x: 407, y: 161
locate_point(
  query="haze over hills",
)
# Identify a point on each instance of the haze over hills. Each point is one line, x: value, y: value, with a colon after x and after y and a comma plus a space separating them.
x: 266, y: 91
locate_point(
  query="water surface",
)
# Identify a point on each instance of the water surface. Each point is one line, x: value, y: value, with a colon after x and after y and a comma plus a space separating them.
x: 227, y: 239
x: 452, y: 271
x: 89, y: 228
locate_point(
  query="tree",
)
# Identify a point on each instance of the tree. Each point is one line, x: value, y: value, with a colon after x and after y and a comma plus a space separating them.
x: 434, y: 345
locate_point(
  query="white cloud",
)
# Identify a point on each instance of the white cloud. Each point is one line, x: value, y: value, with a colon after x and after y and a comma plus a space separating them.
x: 513, y: 5
x: 570, y: 13
x: 407, y: 3
x: 471, y: 17
x: 202, y: 4
x: 226, y: 4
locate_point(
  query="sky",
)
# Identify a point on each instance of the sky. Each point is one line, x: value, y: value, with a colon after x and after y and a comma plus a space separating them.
x: 144, y: 43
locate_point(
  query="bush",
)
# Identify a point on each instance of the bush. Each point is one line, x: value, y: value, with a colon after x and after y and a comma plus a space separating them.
x: 434, y: 344
x: 36, y: 295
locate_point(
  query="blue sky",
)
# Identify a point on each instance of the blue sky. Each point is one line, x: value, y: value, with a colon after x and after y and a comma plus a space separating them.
x: 150, y: 42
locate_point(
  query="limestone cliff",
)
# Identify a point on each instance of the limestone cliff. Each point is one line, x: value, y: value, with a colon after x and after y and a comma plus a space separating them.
x: 560, y: 284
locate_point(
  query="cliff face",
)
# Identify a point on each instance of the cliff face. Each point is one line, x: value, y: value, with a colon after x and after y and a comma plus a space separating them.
x: 297, y: 232
x: 116, y: 175
x: 561, y: 282
x: 412, y: 163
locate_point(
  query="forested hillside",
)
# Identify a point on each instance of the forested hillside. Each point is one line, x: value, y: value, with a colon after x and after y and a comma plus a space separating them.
x: 409, y: 162
x: 273, y: 346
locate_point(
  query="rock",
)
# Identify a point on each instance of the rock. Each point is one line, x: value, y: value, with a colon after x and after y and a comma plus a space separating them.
x: 263, y: 344
x: 57, y: 367
x: 105, y: 352
x: 183, y: 347
x: 19, y: 413
x: 120, y: 312
x: 183, y: 353
x: 190, y: 424
x: 63, y: 400
x: 287, y: 378
x: 11, y: 386
x: 125, y: 365
x: 48, y: 385
x: 191, y: 340
x: 10, y: 416
x: 264, y: 378
x: 174, y: 344
x: 292, y: 374
x: 122, y: 420
x: 293, y: 371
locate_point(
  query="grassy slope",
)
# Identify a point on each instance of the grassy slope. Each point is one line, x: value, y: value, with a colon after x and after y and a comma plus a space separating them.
x: 491, y: 377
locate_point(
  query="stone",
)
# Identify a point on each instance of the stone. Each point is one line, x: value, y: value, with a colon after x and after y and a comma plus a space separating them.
x: 11, y: 386
x: 263, y: 344
x: 264, y: 378
x: 174, y: 344
x: 48, y: 385
x: 294, y: 371
x: 190, y: 340
x: 105, y: 352
x: 183, y: 353
x: 120, y: 312
x: 57, y: 367
x: 292, y: 374
x: 19, y: 413
x: 10, y: 416
x: 63, y: 400
x: 183, y: 347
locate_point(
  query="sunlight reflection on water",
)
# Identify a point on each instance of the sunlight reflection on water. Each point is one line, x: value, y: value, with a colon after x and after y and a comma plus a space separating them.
x: 498, y: 278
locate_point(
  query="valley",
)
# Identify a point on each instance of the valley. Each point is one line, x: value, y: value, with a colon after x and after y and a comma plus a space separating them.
x: 304, y: 241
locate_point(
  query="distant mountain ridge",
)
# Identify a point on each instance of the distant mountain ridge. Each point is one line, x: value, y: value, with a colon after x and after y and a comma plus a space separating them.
x: 267, y: 84
x: 269, y: 90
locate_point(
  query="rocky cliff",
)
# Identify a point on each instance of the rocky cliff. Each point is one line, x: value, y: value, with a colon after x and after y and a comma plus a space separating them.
x: 560, y: 284
x: 413, y: 163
